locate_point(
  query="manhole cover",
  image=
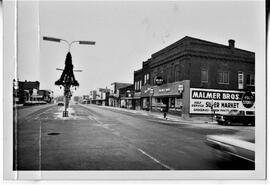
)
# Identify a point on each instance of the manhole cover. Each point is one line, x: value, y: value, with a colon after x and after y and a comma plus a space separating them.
x: 53, y: 133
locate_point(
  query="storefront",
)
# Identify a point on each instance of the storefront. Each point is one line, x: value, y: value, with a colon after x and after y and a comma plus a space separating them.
x: 169, y: 96
x: 137, y: 100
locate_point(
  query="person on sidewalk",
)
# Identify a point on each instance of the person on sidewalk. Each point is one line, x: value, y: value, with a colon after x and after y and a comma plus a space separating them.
x: 165, y: 110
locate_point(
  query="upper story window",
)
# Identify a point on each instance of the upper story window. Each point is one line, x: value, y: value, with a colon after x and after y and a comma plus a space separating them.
x: 146, y: 78
x: 135, y: 85
x: 223, y: 77
x: 250, y: 79
x: 138, y: 85
x: 177, y: 73
x: 240, y: 80
x: 204, y: 75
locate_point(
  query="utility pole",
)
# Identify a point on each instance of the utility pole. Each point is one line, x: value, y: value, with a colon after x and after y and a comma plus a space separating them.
x: 67, y: 79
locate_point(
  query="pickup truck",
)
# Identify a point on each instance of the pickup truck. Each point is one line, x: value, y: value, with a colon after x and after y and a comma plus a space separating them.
x: 246, y: 117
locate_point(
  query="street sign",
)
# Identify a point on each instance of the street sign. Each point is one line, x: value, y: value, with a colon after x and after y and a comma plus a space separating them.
x: 248, y: 100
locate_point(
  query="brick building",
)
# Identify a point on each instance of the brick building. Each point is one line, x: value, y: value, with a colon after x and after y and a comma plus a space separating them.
x: 126, y: 96
x: 25, y: 91
x: 189, y: 65
x: 114, y: 95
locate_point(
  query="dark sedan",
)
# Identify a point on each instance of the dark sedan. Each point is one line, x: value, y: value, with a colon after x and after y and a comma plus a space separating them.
x: 237, y: 116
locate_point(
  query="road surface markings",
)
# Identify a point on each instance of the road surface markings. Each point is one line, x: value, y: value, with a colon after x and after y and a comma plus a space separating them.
x: 154, y: 159
x: 118, y: 134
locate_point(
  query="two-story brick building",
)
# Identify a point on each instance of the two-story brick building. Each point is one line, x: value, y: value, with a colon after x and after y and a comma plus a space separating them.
x: 172, y: 75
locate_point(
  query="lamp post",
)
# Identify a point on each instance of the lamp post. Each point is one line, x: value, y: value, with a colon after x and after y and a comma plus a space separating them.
x: 151, y: 93
x: 67, y: 84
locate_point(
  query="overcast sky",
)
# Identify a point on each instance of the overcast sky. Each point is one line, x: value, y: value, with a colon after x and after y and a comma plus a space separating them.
x: 126, y: 33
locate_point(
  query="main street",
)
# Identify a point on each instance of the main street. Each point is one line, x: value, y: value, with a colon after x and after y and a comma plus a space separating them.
x: 99, y: 138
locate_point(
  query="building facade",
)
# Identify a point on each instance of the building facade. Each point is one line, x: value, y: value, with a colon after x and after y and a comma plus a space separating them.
x: 126, y: 95
x: 25, y: 91
x: 172, y: 75
x: 114, y: 94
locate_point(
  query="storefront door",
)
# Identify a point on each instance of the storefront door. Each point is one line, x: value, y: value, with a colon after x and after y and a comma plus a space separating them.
x: 165, y: 101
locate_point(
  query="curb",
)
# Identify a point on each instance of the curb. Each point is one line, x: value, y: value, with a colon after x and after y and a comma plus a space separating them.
x: 155, y: 115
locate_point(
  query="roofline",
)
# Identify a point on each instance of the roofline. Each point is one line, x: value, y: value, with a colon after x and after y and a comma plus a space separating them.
x: 192, y: 38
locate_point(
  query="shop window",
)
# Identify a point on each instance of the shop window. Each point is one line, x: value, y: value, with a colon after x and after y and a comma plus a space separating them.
x: 172, y: 103
x: 223, y: 77
x: 250, y: 79
x: 204, y: 75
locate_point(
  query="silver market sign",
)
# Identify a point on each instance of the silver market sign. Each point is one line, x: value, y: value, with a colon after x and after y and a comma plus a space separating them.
x: 206, y: 101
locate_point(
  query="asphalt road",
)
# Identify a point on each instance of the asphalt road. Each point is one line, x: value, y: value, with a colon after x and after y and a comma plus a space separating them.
x: 96, y: 138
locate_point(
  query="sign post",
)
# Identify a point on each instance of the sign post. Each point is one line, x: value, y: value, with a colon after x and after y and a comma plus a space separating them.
x: 151, y: 96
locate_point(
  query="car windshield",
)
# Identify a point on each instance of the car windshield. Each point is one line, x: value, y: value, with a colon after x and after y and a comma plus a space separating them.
x: 233, y: 112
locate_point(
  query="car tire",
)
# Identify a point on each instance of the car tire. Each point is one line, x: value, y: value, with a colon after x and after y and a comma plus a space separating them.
x: 228, y: 122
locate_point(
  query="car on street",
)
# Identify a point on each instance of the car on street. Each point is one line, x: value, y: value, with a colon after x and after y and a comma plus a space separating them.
x: 246, y: 117
x: 60, y: 103
x: 233, y: 146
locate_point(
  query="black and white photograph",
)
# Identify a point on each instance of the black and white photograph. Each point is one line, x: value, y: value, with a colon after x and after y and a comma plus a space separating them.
x: 134, y: 89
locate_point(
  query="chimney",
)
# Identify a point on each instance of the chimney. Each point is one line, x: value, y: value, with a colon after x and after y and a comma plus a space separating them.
x: 231, y: 44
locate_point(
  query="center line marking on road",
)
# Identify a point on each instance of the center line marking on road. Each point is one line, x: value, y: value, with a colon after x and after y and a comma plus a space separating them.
x: 154, y: 159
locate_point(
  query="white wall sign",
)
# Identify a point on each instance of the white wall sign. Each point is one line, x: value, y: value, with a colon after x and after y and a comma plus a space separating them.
x: 201, y: 101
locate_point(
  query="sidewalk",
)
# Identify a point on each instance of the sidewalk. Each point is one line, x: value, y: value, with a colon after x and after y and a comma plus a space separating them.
x: 159, y: 115
x: 196, y: 123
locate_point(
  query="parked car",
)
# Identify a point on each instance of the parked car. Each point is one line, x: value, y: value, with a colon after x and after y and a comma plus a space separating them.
x: 246, y: 117
x: 60, y: 103
x: 231, y: 146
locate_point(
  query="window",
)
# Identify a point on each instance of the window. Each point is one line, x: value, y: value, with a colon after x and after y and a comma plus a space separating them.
x: 250, y: 79
x: 146, y: 78
x: 177, y: 72
x: 165, y: 75
x: 172, y: 74
x: 172, y: 105
x: 240, y: 80
x: 223, y: 77
x: 204, y: 75
x: 168, y: 74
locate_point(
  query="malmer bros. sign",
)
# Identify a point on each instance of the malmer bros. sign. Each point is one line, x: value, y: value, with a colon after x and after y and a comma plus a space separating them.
x: 206, y: 101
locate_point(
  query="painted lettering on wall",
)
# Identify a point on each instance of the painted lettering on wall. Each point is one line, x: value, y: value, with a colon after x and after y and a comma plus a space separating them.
x: 208, y: 101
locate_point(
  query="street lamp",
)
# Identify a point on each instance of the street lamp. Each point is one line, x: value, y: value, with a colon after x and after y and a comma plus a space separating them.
x: 53, y: 39
x: 68, y: 83
x: 151, y: 93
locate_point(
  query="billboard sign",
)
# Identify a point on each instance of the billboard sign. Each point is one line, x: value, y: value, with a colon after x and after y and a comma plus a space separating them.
x: 206, y: 101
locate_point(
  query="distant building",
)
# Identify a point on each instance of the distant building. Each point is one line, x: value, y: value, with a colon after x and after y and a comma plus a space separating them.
x: 195, y: 77
x: 25, y: 91
x: 85, y: 99
x: 126, y: 95
x: 76, y: 98
x: 114, y: 96
x: 45, y: 95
